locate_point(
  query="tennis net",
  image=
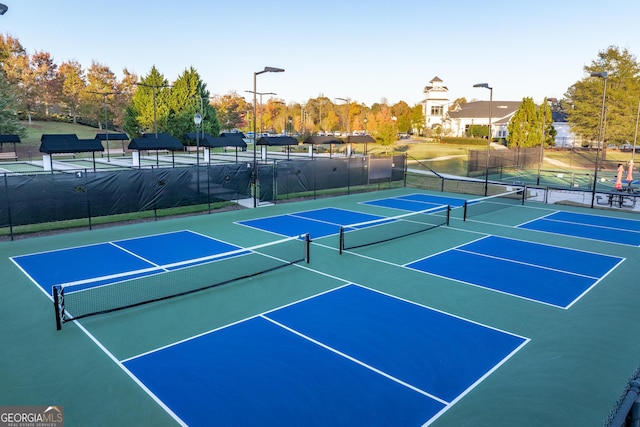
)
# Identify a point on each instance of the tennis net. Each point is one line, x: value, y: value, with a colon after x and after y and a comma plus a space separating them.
x: 483, y: 205
x: 100, y: 295
x: 385, y: 229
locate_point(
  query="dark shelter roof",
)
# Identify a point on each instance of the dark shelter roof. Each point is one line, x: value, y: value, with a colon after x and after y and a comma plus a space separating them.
x: 68, y: 143
x: 148, y: 141
x: 233, y: 134
x: 315, y: 139
x: 360, y: 139
x: 112, y: 136
x: 9, y: 138
x: 277, y: 140
x: 221, y: 141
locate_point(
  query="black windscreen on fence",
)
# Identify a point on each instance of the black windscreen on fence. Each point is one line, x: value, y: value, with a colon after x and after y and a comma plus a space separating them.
x: 32, y: 199
x: 85, y: 193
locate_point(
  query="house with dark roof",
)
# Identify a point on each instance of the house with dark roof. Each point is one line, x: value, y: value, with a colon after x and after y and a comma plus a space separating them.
x: 457, y: 121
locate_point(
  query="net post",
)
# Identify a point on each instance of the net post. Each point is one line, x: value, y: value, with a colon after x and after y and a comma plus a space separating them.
x: 448, y: 214
x: 307, y: 247
x: 341, y: 240
x: 524, y: 193
x: 57, y: 294
x: 464, y: 216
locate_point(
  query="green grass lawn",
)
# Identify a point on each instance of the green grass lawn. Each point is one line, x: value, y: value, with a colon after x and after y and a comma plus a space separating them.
x: 38, y: 128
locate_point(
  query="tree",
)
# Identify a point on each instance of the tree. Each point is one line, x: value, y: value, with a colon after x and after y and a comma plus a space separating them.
x: 402, y: 112
x: 9, y: 48
x: 20, y: 76
x: 546, y: 118
x: 232, y: 110
x: 584, y: 98
x: 385, y: 127
x: 102, y: 86
x: 417, y: 119
x: 525, y: 127
x: 73, y: 85
x: 188, y: 96
x: 125, y: 90
x: 149, y: 110
x: 47, y: 84
x: 9, y: 123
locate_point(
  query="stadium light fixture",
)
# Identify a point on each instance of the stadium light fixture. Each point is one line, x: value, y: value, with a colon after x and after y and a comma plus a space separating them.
x: 255, y: 100
x: 486, y: 171
x: 603, y: 75
x: 3, y: 8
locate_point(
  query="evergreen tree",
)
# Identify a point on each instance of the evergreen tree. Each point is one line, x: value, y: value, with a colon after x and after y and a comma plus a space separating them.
x: 584, y: 98
x: 525, y: 127
x: 149, y: 108
x: 189, y: 96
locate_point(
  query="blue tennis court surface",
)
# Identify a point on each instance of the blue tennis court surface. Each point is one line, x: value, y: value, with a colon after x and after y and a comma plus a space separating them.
x: 327, y: 221
x: 416, y: 202
x: 351, y: 356
x: 542, y: 273
x: 124, y: 259
x: 318, y: 222
x: 606, y: 229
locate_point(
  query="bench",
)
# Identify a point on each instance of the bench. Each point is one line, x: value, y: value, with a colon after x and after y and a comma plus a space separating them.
x: 619, y: 199
x: 8, y: 155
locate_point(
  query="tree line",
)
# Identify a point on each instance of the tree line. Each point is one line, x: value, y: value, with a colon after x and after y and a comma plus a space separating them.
x: 35, y: 87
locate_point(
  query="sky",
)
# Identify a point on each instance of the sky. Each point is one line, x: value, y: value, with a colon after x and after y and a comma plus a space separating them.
x: 367, y: 52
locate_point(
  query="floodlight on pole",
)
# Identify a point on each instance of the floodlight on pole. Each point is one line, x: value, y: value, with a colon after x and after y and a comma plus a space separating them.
x: 486, y: 172
x: 603, y: 75
x: 255, y: 100
x: 3, y: 9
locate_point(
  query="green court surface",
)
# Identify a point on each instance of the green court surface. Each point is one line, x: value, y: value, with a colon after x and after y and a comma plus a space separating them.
x: 571, y: 372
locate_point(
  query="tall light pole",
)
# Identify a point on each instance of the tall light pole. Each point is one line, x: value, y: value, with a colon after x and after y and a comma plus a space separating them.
x: 486, y: 172
x: 197, y: 119
x: 633, y: 153
x: 255, y: 100
x: 106, y: 123
x: 603, y: 75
